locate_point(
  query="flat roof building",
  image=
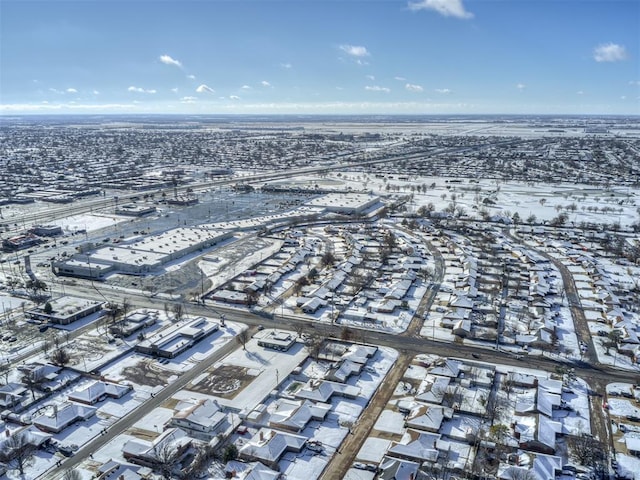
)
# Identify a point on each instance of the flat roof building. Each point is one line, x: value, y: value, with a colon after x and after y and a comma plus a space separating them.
x: 175, y: 339
x: 277, y: 340
x: 345, y: 203
x: 133, y: 210
x: 64, y: 310
x: 142, y: 256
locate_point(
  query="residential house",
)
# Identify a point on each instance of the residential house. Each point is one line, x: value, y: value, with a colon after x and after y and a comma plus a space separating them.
x: 146, y: 453
x: 293, y: 416
x: 420, y: 447
x: 97, y: 391
x: 537, y: 433
x: 11, y: 394
x: 202, y: 420
x: 269, y: 445
x: 62, y: 417
x: 323, y: 390
x: 428, y: 417
x: 397, y: 469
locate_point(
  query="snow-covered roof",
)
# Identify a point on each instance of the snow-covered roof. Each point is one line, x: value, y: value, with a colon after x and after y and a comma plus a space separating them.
x: 344, y: 370
x: 323, y: 391
x: 433, y: 389
x: 269, y: 445
x: 422, y: 448
x: 205, y: 414
x: 32, y: 435
x: 294, y: 415
x: 428, y: 417
x: 140, y: 448
x: 360, y: 353
x: 396, y: 469
x: 92, y: 392
x: 546, y: 401
x: 449, y: 368
x: 251, y: 471
x: 63, y: 417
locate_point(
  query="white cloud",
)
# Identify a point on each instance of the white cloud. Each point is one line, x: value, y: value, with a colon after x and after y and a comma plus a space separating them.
x: 140, y: 90
x: 355, y: 51
x: 447, y: 8
x: 371, y: 77
x: 400, y: 79
x: 55, y: 90
x: 167, y: 60
x: 234, y: 97
x: 204, y: 89
x: 634, y: 82
x: 609, y: 52
x: 579, y: 92
x: 376, y: 88
x: 413, y: 88
x: 286, y: 65
x: 188, y: 99
x: 623, y: 97
x: 444, y: 91
x: 72, y: 90
x: 245, y: 87
x: 521, y: 86
x: 174, y: 90
x: 191, y: 77
x: 264, y: 83
x: 96, y: 92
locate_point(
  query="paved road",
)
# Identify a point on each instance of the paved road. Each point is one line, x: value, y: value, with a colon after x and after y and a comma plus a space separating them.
x: 143, y: 409
x: 337, y: 467
x: 408, y: 344
x: 600, y: 425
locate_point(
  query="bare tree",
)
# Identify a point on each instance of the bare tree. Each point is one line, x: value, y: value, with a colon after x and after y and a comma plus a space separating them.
x: 314, y: 345
x: 46, y: 345
x: 299, y: 328
x: 5, y: 371
x: 178, y: 311
x: 252, y: 297
x: 299, y: 284
x: 166, y: 458
x: 507, y: 386
x: 36, y: 286
x: 453, y: 396
x: 33, y: 380
x: 204, y: 454
x: 328, y: 258
x: 126, y: 306
x: 499, y: 433
x: 113, y: 311
x: 243, y: 337
x: 585, y: 449
x: 60, y: 356
x: 17, y: 452
x: 614, y: 337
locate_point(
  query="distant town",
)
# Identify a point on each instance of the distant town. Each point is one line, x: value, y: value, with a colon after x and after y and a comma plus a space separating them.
x: 320, y: 298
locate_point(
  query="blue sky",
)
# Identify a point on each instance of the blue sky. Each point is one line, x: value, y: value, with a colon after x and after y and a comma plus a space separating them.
x: 320, y: 56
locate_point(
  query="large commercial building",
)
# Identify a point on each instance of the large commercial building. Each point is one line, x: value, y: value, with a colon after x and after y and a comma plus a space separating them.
x: 142, y: 256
